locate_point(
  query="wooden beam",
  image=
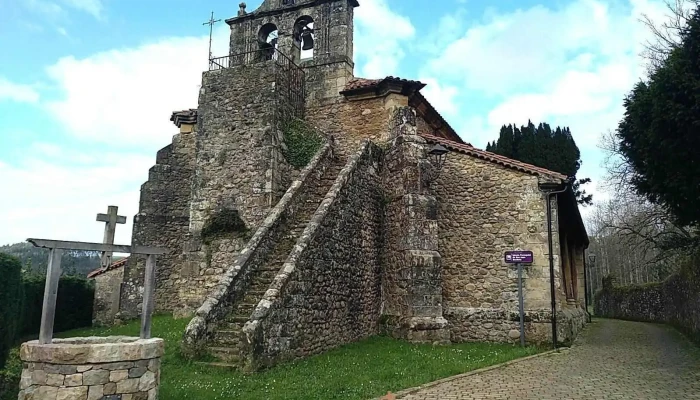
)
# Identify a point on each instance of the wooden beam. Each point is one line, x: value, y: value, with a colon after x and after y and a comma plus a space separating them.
x: 86, y: 246
x: 148, y: 296
x: 48, y: 310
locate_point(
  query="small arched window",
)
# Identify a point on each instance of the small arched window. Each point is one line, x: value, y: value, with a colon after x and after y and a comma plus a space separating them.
x: 267, y: 41
x: 304, y: 37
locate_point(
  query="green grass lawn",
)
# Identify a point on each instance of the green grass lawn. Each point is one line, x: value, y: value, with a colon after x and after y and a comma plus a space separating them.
x: 360, y: 370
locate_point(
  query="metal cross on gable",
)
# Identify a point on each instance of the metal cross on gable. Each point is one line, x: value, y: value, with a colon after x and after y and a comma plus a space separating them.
x: 211, y: 23
x: 111, y: 219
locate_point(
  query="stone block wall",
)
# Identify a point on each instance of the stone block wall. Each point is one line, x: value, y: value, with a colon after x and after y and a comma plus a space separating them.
x: 484, y: 210
x: 352, y: 122
x: 236, y: 278
x: 235, y: 119
x: 675, y: 301
x: 112, y: 368
x: 328, y: 292
x: 412, y: 278
x: 107, y: 293
x: 163, y: 220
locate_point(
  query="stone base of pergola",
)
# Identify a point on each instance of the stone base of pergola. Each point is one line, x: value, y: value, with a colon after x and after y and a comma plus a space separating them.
x: 91, y: 368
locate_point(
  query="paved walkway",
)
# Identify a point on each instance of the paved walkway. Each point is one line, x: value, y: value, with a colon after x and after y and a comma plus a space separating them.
x: 612, y: 359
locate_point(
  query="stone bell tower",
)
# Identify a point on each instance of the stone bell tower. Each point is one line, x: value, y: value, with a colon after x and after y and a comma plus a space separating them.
x: 317, y: 35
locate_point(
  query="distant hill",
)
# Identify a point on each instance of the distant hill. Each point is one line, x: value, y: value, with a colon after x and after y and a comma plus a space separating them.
x: 34, y: 259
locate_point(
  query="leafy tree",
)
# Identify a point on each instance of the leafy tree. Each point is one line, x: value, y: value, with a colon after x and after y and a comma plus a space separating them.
x: 539, y: 145
x: 10, y: 301
x: 35, y: 259
x: 659, y: 136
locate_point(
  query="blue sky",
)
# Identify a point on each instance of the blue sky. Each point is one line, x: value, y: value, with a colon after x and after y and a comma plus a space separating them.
x: 87, y: 86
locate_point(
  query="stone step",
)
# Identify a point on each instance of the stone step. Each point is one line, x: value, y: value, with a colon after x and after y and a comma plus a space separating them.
x: 226, y: 354
x: 227, y: 337
x: 251, y: 299
x: 245, y: 308
x: 218, y: 364
x: 236, y: 321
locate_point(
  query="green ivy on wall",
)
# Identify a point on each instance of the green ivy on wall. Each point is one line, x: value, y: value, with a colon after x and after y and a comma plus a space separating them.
x: 302, y: 141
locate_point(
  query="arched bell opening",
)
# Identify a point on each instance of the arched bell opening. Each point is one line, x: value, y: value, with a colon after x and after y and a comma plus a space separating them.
x: 267, y: 41
x: 304, y: 38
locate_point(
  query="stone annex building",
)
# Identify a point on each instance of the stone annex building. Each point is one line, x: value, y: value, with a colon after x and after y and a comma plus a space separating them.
x: 276, y: 257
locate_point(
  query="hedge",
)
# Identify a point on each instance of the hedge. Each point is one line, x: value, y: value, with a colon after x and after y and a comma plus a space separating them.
x: 73, y: 303
x: 10, y: 302
x: 21, y: 300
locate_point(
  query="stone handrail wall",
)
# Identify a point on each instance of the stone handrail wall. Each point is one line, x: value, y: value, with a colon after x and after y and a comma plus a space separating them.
x: 675, y: 301
x: 236, y: 279
x: 328, y: 291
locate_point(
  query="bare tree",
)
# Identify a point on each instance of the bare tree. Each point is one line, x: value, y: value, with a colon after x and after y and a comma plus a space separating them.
x: 668, y: 33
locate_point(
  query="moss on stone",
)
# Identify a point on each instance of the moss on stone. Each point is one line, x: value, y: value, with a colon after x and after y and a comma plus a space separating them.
x: 302, y: 142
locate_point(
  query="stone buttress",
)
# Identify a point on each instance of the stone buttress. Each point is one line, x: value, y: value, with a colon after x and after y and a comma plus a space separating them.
x: 412, y: 284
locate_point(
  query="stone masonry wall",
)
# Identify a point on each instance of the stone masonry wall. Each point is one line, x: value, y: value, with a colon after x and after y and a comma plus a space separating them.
x: 107, y: 293
x: 484, y: 210
x: 163, y: 220
x: 675, y: 301
x: 329, y: 291
x: 235, y: 118
x: 351, y: 122
x: 236, y: 278
x: 238, y: 168
x: 113, y: 368
x: 412, y: 279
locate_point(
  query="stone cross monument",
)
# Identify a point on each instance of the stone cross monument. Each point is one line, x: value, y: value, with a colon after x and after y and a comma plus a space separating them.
x: 111, y: 219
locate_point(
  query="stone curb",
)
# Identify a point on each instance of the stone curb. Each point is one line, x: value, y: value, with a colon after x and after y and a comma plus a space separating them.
x: 412, y: 390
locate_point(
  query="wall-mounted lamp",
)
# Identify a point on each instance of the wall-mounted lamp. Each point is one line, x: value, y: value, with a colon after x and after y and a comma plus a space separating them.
x: 591, y: 258
x: 438, y: 155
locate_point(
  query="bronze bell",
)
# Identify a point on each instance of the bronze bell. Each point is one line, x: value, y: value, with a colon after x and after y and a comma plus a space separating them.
x: 307, y: 40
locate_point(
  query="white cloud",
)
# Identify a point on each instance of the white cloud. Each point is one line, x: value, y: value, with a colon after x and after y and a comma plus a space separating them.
x: 440, y: 96
x: 122, y: 96
x: 58, y: 199
x: 17, y: 92
x: 570, y: 66
x: 127, y: 95
x: 378, y: 35
x: 48, y: 8
x: 92, y: 7
x: 526, y: 49
x: 54, y: 10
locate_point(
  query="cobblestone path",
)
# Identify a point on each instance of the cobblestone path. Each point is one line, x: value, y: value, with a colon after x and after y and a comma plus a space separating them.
x: 612, y: 359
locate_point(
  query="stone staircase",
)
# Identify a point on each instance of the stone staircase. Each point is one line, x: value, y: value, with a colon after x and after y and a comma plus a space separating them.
x: 225, y: 343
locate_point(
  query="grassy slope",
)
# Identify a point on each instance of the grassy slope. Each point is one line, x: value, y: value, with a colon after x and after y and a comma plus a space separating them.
x: 356, y: 371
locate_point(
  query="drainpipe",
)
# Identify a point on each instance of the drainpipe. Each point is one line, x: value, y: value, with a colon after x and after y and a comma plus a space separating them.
x: 549, y: 189
x: 585, y: 286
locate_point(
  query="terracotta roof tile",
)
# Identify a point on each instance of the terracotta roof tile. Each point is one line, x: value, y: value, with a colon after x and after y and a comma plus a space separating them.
x: 114, y: 265
x: 363, y: 83
x: 359, y: 83
x: 495, y: 158
x: 184, y: 117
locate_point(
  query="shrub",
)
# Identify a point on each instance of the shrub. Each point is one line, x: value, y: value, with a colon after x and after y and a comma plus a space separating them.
x: 10, y: 301
x: 73, y: 303
x: 9, y: 377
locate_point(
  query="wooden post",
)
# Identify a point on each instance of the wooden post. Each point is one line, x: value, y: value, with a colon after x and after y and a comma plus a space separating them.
x: 48, y: 311
x: 148, y: 296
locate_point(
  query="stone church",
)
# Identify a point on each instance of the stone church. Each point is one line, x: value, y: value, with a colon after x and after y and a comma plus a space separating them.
x: 307, y: 208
